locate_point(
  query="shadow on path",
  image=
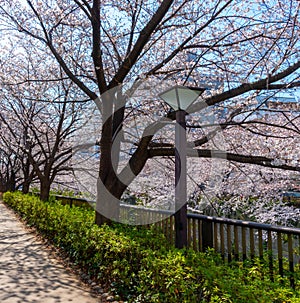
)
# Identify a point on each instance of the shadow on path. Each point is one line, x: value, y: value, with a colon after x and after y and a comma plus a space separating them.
x: 28, y: 274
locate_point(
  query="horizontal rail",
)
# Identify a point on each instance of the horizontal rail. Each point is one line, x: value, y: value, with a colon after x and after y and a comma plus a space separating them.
x: 249, y: 224
x: 73, y: 199
x: 227, y: 221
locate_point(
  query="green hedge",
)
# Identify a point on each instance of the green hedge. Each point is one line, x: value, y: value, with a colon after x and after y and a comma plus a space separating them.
x: 140, y: 265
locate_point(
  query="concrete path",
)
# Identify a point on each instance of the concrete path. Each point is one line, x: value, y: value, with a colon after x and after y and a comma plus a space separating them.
x: 28, y: 273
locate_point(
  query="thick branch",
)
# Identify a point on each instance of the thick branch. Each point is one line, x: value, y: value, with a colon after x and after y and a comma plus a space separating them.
x: 140, y: 43
x: 206, y: 153
x: 244, y: 88
x: 97, y: 55
x: 58, y: 57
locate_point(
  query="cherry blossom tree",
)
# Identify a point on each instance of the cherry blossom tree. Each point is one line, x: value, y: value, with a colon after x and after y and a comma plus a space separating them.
x: 38, y: 119
x: 16, y: 170
x: 8, y: 170
x: 264, y: 134
x: 234, y: 49
x: 249, y: 191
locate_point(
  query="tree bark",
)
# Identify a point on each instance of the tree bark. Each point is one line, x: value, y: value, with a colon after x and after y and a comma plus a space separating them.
x: 45, y: 189
x: 25, y: 187
x: 108, y: 201
x: 11, y: 183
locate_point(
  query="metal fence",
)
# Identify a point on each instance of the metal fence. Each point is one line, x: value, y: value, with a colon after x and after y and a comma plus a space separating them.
x: 241, y: 240
x: 233, y: 239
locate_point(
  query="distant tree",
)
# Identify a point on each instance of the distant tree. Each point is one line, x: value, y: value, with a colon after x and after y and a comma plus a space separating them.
x: 38, y: 121
x: 7, y: 172
x: 16, y: 170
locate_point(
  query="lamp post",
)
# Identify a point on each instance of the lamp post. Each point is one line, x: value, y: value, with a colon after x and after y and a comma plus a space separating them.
x: 180, y: 98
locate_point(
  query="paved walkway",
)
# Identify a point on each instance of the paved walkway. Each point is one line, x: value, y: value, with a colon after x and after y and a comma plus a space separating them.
x: 28, y: 273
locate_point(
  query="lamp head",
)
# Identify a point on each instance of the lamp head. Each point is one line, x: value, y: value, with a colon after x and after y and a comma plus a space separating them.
x: 181, y: 97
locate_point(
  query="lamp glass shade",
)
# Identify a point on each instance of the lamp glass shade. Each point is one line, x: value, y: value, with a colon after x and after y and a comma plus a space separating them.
x: 181, y: 97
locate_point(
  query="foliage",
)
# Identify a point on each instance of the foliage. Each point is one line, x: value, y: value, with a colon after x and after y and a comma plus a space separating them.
x: 140, y: 265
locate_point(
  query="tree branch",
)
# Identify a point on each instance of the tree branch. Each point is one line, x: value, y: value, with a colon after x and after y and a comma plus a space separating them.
x: 96, y: 54
x: 140, y: 43
x: 244, y: 88
x: 217, y: 154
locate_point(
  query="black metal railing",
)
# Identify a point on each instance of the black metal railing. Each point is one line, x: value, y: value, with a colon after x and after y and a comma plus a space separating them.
x: 233, y: 239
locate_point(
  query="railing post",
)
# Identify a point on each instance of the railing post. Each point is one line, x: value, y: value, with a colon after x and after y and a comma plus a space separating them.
x: 291, y: 260
x: 207, y: 235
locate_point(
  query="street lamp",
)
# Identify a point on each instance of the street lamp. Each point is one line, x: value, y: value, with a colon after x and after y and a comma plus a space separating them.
x: 180, y: 98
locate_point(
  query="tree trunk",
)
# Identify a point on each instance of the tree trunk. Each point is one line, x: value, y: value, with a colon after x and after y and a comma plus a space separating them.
x: 25, y: 187
x: 100, y: 219
x: 45, y: 190
x: 108, y: 202
x: 27, y: 177
x: 11, y: 182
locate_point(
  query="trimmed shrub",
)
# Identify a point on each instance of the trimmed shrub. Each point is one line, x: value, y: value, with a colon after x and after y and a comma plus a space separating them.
x: 140, y: 266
